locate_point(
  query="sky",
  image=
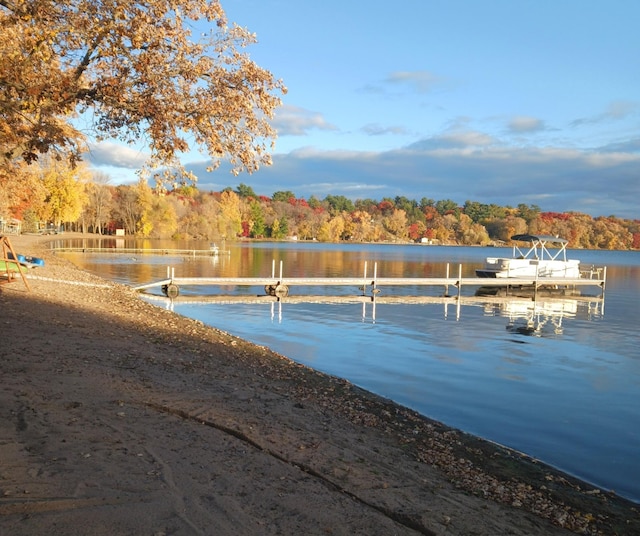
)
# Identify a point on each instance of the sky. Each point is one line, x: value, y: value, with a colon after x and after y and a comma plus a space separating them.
x: 495, y: 101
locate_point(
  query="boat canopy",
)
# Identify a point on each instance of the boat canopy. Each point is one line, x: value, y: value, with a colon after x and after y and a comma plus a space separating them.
x: 539, y: 238
x: 538, y: 247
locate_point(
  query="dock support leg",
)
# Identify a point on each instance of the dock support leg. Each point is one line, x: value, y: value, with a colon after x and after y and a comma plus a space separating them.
x: 374, y: 290
x: 446, y: 287
x: 364, y: 280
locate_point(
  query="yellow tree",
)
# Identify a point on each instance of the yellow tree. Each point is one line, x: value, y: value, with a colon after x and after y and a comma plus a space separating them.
x: 229, y: 216
x: 331, y: 230
x: 144, y: 202
x: 164, y: 218
x: 470, y: 233
x: 396, y: 223
x: 139, y: 71
x: 65, y: 189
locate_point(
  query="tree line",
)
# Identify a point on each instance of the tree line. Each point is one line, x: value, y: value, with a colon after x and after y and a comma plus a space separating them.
x: 75, y: 199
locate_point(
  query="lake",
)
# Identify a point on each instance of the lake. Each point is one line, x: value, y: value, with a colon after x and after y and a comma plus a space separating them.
x: 557, y: 379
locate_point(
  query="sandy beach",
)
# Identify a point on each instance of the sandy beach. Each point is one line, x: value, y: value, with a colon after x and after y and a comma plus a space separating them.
x: 118, y: 417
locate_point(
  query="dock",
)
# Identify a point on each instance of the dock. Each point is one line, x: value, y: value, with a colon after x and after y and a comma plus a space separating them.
x: 146, y: 251
x: 279, y: 286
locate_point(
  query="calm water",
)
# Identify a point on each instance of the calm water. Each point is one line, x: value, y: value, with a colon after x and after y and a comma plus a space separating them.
x: 567, y: 392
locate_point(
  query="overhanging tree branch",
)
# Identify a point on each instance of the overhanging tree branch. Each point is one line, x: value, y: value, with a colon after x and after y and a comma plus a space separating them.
x: 142, y: 74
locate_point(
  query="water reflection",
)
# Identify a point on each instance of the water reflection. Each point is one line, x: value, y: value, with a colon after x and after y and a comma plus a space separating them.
x: 542, y: 318
x: 531, y: 317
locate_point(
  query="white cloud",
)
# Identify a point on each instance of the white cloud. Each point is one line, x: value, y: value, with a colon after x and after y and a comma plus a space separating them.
x: 523, y: 124
x: 616, y: 111
x: 464, y: 165
x: 118, y: 156
x: 373, y: 129
x: 295, y: 121
x: 455, y: 140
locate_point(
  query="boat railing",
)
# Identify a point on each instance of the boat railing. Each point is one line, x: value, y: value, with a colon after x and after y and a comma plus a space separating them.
x: 594, y: 272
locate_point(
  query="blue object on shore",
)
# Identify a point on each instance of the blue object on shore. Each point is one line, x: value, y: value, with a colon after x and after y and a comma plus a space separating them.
x: 29, y: 262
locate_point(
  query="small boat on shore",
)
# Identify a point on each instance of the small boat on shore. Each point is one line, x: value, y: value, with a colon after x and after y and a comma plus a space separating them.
x: 545, y: 256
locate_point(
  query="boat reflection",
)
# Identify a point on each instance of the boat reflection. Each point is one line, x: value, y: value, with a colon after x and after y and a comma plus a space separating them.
x: 540, y: 318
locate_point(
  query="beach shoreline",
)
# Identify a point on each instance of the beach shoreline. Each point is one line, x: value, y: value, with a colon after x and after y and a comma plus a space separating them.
x: 125, y: 418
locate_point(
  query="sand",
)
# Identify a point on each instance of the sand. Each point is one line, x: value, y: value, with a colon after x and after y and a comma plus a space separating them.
x: 118, y: 417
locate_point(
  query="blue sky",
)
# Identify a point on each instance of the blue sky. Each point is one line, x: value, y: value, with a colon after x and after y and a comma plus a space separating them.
x: 496, y: 101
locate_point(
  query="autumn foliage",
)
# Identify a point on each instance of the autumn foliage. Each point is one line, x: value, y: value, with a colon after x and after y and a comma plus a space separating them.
x: 130, y: 71
x: 76, y: 200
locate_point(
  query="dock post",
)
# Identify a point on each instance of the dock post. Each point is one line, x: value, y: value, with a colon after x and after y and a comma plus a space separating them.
x: 364, y: 280
x: 373, y: 283
x: 446, y: 286
x: 282, y: 290
x: 171, y: 290
x: 459, y: 282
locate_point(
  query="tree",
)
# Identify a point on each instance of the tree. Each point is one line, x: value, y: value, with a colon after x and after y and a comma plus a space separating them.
x: 331, y: 230
x: 411, y: 208
x: 528, y: 213
x: 396, y: 224
x: 229, y: 220
x: 65, y: 192
x: 126, y: 208
x: 314, y: 202
x: 21, y: 189
x: 445, y: 206
x: 144, y: 200
x: 257, y: 226
x: 338, y: 204
x: 98, y: 206
x: 279, y: 228
x: 138, y: 69
x: 503, y: 229
x: 425, y: 203
x: 245, y: 191
x: 163, y: 218
x: 283, y: 197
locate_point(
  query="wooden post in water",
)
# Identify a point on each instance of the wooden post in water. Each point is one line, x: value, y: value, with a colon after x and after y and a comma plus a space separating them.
x: 446, y: 287
x: 364, y: 280
x: 375, y: 273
